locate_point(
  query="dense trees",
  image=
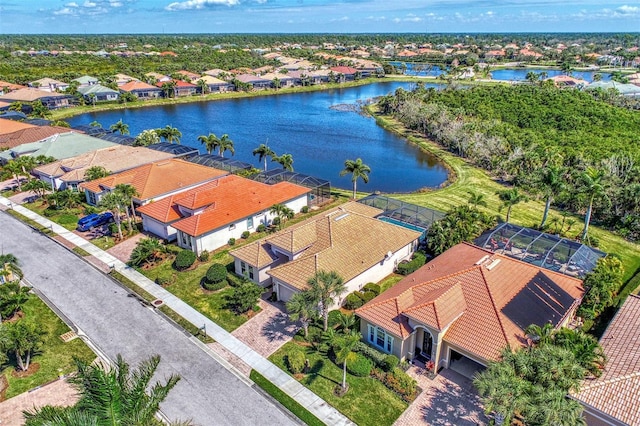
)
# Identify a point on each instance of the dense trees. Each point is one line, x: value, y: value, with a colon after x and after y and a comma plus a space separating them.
x: 601, y: 285
x: 463, y: 223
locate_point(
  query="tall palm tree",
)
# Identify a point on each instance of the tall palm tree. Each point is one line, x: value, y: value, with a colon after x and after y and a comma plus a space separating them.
x: 203, y: 86
x: 283, y: 213
x: 593, y: 187
x: 325, y: 287
x: 37, y: 186
x: 170, y: 134
x: 96, y: 172
x: 115, y: 203
x: 128, y: 192
x: 303, y: 308
x: 226, y: 144
x: 210, y: 142
x: 263, y: 151
x: 550, y: 183
x: 285, y: 160
x: 509, y: 198
x: 23, y: 339
x: 169, y: 89
x: 358, y: 170
x: 121, y: 127
x: 343, y: 348
x: 117, y: 396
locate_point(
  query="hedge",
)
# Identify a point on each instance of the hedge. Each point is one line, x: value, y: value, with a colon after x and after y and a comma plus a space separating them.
x: 359, y: 366
x: 418, y: 260
x: 353, y: 300
x: 214, y: 286
x: 185, y: 259
x: 216, y: 273
x: 373, y: 287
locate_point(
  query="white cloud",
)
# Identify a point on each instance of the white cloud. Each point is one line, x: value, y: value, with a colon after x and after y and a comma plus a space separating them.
x: 376, y: 18
x: 199, y: 4
x: 632, y: 10
x: 341, y: 19
x: 397, y: 20
x: 72, y: 4
x: 413, y: 19
x: 64, y: 11
x: 490, y: 13
x: 89, y: 4
x: 115, y: 3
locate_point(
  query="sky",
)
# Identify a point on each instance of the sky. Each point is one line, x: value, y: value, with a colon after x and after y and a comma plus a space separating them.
x: 316, y: 16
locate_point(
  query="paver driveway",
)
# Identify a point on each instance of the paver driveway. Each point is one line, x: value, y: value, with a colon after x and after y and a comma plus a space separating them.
x: 59, y: 392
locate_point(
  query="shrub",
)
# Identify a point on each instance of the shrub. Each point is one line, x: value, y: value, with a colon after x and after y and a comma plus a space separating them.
x: 211, y: 286
x: 275, y: 221
x: 185, y: 259
x: 359, y: 366
x: 204, y: 256
x: 232, y: 241
x: 368, y: 295
x: 375, y: 288
x: 162, y: 280
x: 373, y: 354
x: 353, y: 300
x: 304, y: 209
x: 295, y: 361
x: 246, y: 234
x: 261, y: 228
x: 244, y: 297
x: 418, y: 260
x: 216, y: 273
x: 398, y: 381
x: 173, y: 249
x: 333, y: 318
x: 390, y: 362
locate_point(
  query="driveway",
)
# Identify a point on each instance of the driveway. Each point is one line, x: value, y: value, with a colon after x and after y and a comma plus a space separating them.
x: 208, y: 393
x: 59, y: 392
x: 449, y: 400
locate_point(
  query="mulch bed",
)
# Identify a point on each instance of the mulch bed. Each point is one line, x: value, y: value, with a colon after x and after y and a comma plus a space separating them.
x: 33, y: 368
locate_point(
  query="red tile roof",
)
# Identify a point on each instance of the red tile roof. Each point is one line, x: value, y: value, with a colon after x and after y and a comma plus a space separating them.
x: 479, y: 293
x: 179, y: 83
x: 31, y: 134
x: 344, y: 70
x: 136, y: 85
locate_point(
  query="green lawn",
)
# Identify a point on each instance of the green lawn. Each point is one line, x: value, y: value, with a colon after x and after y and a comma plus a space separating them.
x: 55, y: 356
x: 389, y: 282
x: 67, y: 218
x: 368, y: 402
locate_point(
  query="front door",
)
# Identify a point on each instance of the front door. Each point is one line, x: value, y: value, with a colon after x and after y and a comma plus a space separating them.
x: 427, y: 344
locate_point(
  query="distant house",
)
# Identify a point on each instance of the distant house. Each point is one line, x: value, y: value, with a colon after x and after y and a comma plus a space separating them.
x: 6, y: 87
x: 189, y: 76
x: 86, y: 81
x: 465, y: 306
x: 181, y: 88
x: 613, y: 398
x: 154, y: 77
x: 64, y: 144
x: 345, y: 73
x: 141, y: 90
x: 123, y: 79
x: 98, y: 92
x: 153, y: 181
x: 28, y: 95
x: 285, y: 79
x: 215, y: 72
x: 206, y: 217
x: 70, y: 172
x: 630, y: 90
x: 495, y: 54
x: 254, y: 81
x: 217, y: 85
x: 49, y: 85
x: 319, y: 76
x: 348, y: 239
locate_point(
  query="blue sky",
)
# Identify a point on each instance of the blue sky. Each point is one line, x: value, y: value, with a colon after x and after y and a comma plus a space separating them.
x: 286, y: 16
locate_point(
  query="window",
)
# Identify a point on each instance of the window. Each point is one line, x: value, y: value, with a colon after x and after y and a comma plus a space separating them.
x: 92, y: 198
x: 232, y: 227
x: 250, y: 223
x: 243, y: 268
x: 380, y: 338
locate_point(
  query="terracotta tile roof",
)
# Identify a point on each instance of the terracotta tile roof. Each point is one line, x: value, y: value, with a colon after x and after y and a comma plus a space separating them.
x: 343, y: 241
x: 115, y: 159
x: 29, y: 94
x: 617, y: 391
x: 11, y: 86
x: 10, y: 126
x: 155, y: 179
x: 31, y: 134
x: 500, y: 297
x: 136, y: 85
x: 344, y: 70
x: 178, y: 83
x: 226, y: 200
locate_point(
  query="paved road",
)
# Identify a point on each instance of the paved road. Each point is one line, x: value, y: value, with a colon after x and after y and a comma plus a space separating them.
x: 208, y: 394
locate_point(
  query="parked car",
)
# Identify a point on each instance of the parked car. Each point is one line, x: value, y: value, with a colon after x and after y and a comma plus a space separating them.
x: 101, y: 219
x: 87, y: 219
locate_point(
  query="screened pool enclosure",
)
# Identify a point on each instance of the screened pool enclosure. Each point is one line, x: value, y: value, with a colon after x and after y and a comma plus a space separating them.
x: 320, y: 188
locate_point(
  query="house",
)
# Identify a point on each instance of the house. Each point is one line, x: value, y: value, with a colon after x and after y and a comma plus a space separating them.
x: 69, y: 172
x: 348, y: 239
x: 29, y: 95
x: 98, y: 93
x: 15, y: 133
x: 12, y: 126
x: 62, y: 144
x: 180, y: 88
x: 121, y: 79
x: 158, y: 78
x: 286, y: 80
x: 613, y: 398
x: 206, y: 217
x: 153, y: 181
x: 217, y: 85
x: 465, y: 306
x: 141, y: 90
x: 345, y: 73
x: 49, y: 85
x: 215, y: 72
x: 319, y: 76
x: 86, y: 81
x: 189, y: 76
x: 6, y: 87
x: 254, y: 81
x: 567, y: 81
x: 630, y: 90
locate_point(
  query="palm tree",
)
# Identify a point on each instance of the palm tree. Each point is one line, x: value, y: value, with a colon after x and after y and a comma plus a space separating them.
x: 13, y: 296
x: 168, y: 89
x: 346, y: 322
x: 585, y: 347
x: 147, y: 250
x: 120, y: 127
x: 343, y: 348
x: 593, y: 187
x: 285, y: 160
x: 358, y: 170
x: 540, y: 335
x: 225, y: 144
x: 171, y: 134
x: 147, y: 137
x: 128, y: 192
x: 21, y: 166
x: 550, y: 184
x: 115, y: 203
x: 37, y: 186
x: 117, y: 396
x: 263, y: 151
x: 203, y: 86
x: 210, y: 142
x: 22, y: 338
x: 303, y: 308
x: 283, y: 213
x: 476, y: 199
x: 325, y: 287
x: 509, y: 198
x: 96, y: 172
x: 95, y: 124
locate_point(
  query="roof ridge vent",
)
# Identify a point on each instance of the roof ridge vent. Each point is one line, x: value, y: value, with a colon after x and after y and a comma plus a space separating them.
x: 342, y: 216
x: 482, y: 259
x: 493, y: 264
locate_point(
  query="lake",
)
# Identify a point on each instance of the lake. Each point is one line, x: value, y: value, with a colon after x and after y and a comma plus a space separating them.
x: 319, y: 137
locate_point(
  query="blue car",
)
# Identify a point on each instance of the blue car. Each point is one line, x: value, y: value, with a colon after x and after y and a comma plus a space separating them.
x: 95, y: 221
x: 87, y: 219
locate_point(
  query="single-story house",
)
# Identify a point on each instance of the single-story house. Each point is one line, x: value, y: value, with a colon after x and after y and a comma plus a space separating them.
x: 11, y: 126
x: 157, y: 77
x: 215, y: 72
x: 70, y: 172
x: 153, y: 181
x: 59, y: 145
x: 181, y: 88
x: 345, y: 73
x: 630, y: 90
x: 567, y: 81
x: 121, y: 79
x: 206, y: 217
x: 20, y: 133
x: 348, y: 239
x: 255, y: 81
x: 614, y: 397
x: 49, y: 85
x: 99, y: 93
x: 217, y: 85
x: 465, y: 306
x: 285, y: 79
x: 189, y: 76
x: 29, y: 95
x: 319, y: 76
x: 6, y: 87
x: 141, y: 89
x: 86, y: 81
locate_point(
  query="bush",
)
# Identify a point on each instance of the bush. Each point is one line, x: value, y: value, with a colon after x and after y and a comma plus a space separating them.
x: 333, y: 318
x: 418, y: 260
x: 398, y: 381
x: 173, y: 249
x: 375, y: 288
x: 275, y: 221
x: 373, y: 354
x: 295, y: 361
x: 261, y: 228
x: 244, y: 297
x: 214, y: 286
x: 359, y: 366
x: 185, y: 259
x: 304, y: 209
x: 216, y: 273
x: 353, y: 301
x: 162, y: 280
x: 390, y: 362
x: 232, y: 241
x: 246, y: 234
x: 204, y: 256
x: 368, y: 295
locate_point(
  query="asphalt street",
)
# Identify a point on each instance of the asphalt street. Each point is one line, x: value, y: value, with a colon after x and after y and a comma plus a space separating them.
x: 207, y: 394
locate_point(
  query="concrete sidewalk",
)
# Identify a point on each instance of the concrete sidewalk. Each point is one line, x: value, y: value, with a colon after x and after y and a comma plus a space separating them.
x: 305, y: 397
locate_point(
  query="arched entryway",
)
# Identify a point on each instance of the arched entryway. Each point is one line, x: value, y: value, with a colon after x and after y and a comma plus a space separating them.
x: 425, y: 343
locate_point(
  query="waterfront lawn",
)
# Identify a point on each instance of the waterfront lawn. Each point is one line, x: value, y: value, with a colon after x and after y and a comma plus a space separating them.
x: 54, y: 358
x: 367, y: 402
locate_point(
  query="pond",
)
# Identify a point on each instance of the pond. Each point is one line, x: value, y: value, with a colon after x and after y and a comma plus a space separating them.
x: 315, y: 127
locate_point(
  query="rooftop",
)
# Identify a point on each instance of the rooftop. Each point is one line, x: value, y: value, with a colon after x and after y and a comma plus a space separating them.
x: 29, y: 94
x: 58, y: 145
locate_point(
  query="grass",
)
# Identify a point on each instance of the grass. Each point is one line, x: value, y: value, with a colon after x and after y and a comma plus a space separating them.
x: 368, y: 402
x: 67, y: 218
x: 80, y: 251
x: 55, y: 357
x: 284, y: 399
x: 468, y: 178
x: 389, y: 282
